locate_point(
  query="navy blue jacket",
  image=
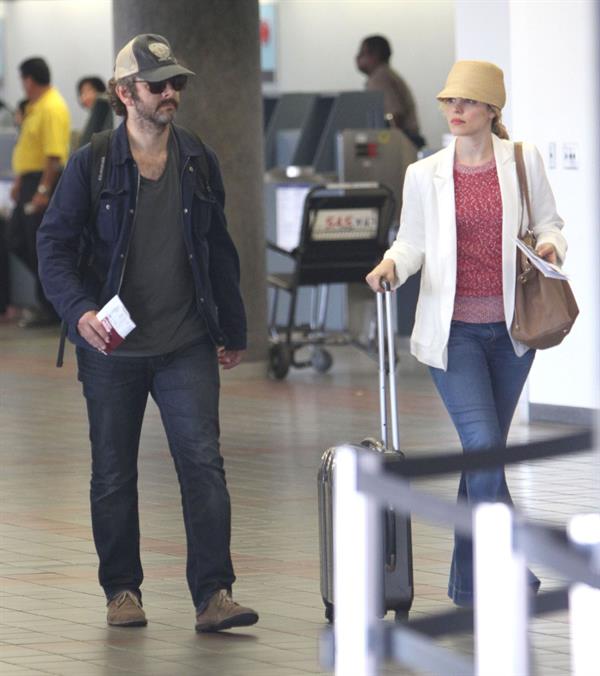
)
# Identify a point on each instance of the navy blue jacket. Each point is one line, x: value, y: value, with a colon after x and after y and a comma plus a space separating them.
x: 211, y: 252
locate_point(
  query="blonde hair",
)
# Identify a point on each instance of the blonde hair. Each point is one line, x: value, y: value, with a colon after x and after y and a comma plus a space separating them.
x: 497, y: 127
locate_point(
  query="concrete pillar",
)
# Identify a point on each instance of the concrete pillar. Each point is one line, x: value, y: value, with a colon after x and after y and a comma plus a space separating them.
x: 218, y: 40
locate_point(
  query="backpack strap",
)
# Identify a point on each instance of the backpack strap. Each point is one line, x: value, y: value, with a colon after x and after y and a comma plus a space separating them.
x: 100, y: 152
x: 202, y: 157
x: 100, y: 148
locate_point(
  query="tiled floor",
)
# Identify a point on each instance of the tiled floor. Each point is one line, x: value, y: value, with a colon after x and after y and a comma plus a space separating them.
x: 52, y: 616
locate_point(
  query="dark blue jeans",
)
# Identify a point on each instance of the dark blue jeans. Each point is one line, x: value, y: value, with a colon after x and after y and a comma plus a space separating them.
x: 480, y: 390
x: 185, y: 386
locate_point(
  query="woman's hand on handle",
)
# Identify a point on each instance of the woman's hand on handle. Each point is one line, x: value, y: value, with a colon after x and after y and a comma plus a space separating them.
x: 385, y: 270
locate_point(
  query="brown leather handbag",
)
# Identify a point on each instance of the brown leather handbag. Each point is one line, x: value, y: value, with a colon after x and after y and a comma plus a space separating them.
x: 545, y: 309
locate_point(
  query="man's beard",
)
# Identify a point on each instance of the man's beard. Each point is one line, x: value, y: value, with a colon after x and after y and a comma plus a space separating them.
x: 160, y: 116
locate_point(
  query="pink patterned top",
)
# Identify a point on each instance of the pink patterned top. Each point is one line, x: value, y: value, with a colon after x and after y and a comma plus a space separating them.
x: 479, y: 244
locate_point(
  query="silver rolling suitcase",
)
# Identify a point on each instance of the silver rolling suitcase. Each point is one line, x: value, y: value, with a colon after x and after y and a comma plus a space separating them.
x: 397, y: 555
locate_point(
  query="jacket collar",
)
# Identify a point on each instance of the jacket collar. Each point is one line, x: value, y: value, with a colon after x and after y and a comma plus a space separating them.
x: 503, y: 152
x: 445, y: 165
x: 187, y: 142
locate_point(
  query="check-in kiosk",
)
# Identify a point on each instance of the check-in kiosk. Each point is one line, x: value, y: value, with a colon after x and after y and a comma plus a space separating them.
x: 286, y: 120
x: 380, y: 155
x: 269, y: 105
x: 350, y: 110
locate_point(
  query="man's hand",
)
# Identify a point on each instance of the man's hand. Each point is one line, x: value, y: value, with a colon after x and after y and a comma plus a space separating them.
x: 40, y: 202
x: 229, y: 358
x: 92, y: 330
x: 547, y: 252
x: 385, y: 270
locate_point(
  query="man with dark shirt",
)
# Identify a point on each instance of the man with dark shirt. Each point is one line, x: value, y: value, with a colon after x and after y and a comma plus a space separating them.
x: 91, y: 92
x: 373, y: 59
x: 159, y: 241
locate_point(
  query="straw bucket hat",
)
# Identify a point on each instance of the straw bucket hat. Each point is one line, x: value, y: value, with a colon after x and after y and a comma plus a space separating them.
x: 478, y: 80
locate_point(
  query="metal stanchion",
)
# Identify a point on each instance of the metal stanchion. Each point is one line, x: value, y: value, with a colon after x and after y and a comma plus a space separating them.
x: 356, y: 575
x: 584, y: 601
x: 501, y: 645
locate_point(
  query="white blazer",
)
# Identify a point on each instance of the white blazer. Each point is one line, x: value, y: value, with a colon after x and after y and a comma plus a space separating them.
x: 427, y: 239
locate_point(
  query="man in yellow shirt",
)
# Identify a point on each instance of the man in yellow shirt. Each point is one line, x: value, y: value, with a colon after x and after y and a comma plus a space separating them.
x: 38, y: 158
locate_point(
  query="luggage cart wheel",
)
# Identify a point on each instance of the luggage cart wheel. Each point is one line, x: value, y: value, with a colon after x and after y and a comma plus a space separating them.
x: 329, y: 612
x: 401, y: 616
x: 279, y: 361
x: 321, y: 360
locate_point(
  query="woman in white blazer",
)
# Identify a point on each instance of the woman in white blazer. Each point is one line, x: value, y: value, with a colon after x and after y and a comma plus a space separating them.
x: 461, y: 213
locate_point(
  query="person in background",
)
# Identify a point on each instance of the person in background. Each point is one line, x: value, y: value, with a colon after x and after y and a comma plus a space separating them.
x: 373, y: 59
x: 38, y: 158
x: 92, y: 96
x: 8, y: 312
x: 162, y: 245
x: 459, y: 228
x: 19, y: 113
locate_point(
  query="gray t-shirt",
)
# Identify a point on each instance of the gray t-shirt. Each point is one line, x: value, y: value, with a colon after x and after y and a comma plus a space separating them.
x: 158, y: 287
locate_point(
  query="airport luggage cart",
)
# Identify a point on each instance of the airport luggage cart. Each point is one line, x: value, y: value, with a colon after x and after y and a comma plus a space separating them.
x: 344, y: 233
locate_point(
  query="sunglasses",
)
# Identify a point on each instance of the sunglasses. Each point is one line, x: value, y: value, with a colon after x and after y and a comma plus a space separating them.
x: 178, y: 83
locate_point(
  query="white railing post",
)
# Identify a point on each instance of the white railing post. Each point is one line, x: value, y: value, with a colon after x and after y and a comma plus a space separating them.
x: 356, y: 578
x: 501, y: 603
x: 584, y: 602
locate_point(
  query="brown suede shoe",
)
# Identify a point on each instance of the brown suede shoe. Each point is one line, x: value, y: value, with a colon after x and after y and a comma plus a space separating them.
x: 222, y: 612
x: 125, y: 610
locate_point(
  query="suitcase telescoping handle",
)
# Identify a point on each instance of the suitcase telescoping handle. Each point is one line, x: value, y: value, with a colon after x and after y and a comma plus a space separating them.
x: 387, y: 371
x: 387, y: 367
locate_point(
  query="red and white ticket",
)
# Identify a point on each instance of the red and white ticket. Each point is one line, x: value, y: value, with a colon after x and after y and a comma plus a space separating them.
x: 116, y: 320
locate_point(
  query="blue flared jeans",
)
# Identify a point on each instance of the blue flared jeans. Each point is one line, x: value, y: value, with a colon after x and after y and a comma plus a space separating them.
x: 185, y: 386
x: 480, y: 389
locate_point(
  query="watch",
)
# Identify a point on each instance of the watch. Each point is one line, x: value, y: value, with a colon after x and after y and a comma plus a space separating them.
x: 42, y: 189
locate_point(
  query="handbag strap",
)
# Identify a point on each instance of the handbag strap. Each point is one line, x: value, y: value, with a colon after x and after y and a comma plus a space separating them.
x: 525, y: 264
x: 522, y: 176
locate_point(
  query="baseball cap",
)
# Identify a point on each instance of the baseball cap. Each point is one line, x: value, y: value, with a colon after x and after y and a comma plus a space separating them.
x: 148, y: 56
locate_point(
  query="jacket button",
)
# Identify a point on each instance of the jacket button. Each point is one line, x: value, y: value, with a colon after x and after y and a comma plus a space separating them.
x: 122, y: 256
x: 202, y: 300
x: 131, y: 211
x: 185, y: 211
x: 107, y: 207
x: 191, y: 168
x: 191, y: 257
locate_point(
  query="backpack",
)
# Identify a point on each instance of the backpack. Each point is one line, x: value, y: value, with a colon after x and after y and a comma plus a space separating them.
x: 100, y: 146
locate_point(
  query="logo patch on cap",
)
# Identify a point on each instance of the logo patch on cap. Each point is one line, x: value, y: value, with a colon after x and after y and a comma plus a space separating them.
x: 160, y: 50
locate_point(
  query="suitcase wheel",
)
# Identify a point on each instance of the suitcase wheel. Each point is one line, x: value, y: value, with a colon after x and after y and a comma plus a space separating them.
x: 329, y: 612
x: 401, y: 616
x: 279, y: 361
x: 321, y: 360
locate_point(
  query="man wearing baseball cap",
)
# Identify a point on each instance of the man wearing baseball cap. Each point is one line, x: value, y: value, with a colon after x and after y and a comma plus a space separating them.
x: 156, y: 237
